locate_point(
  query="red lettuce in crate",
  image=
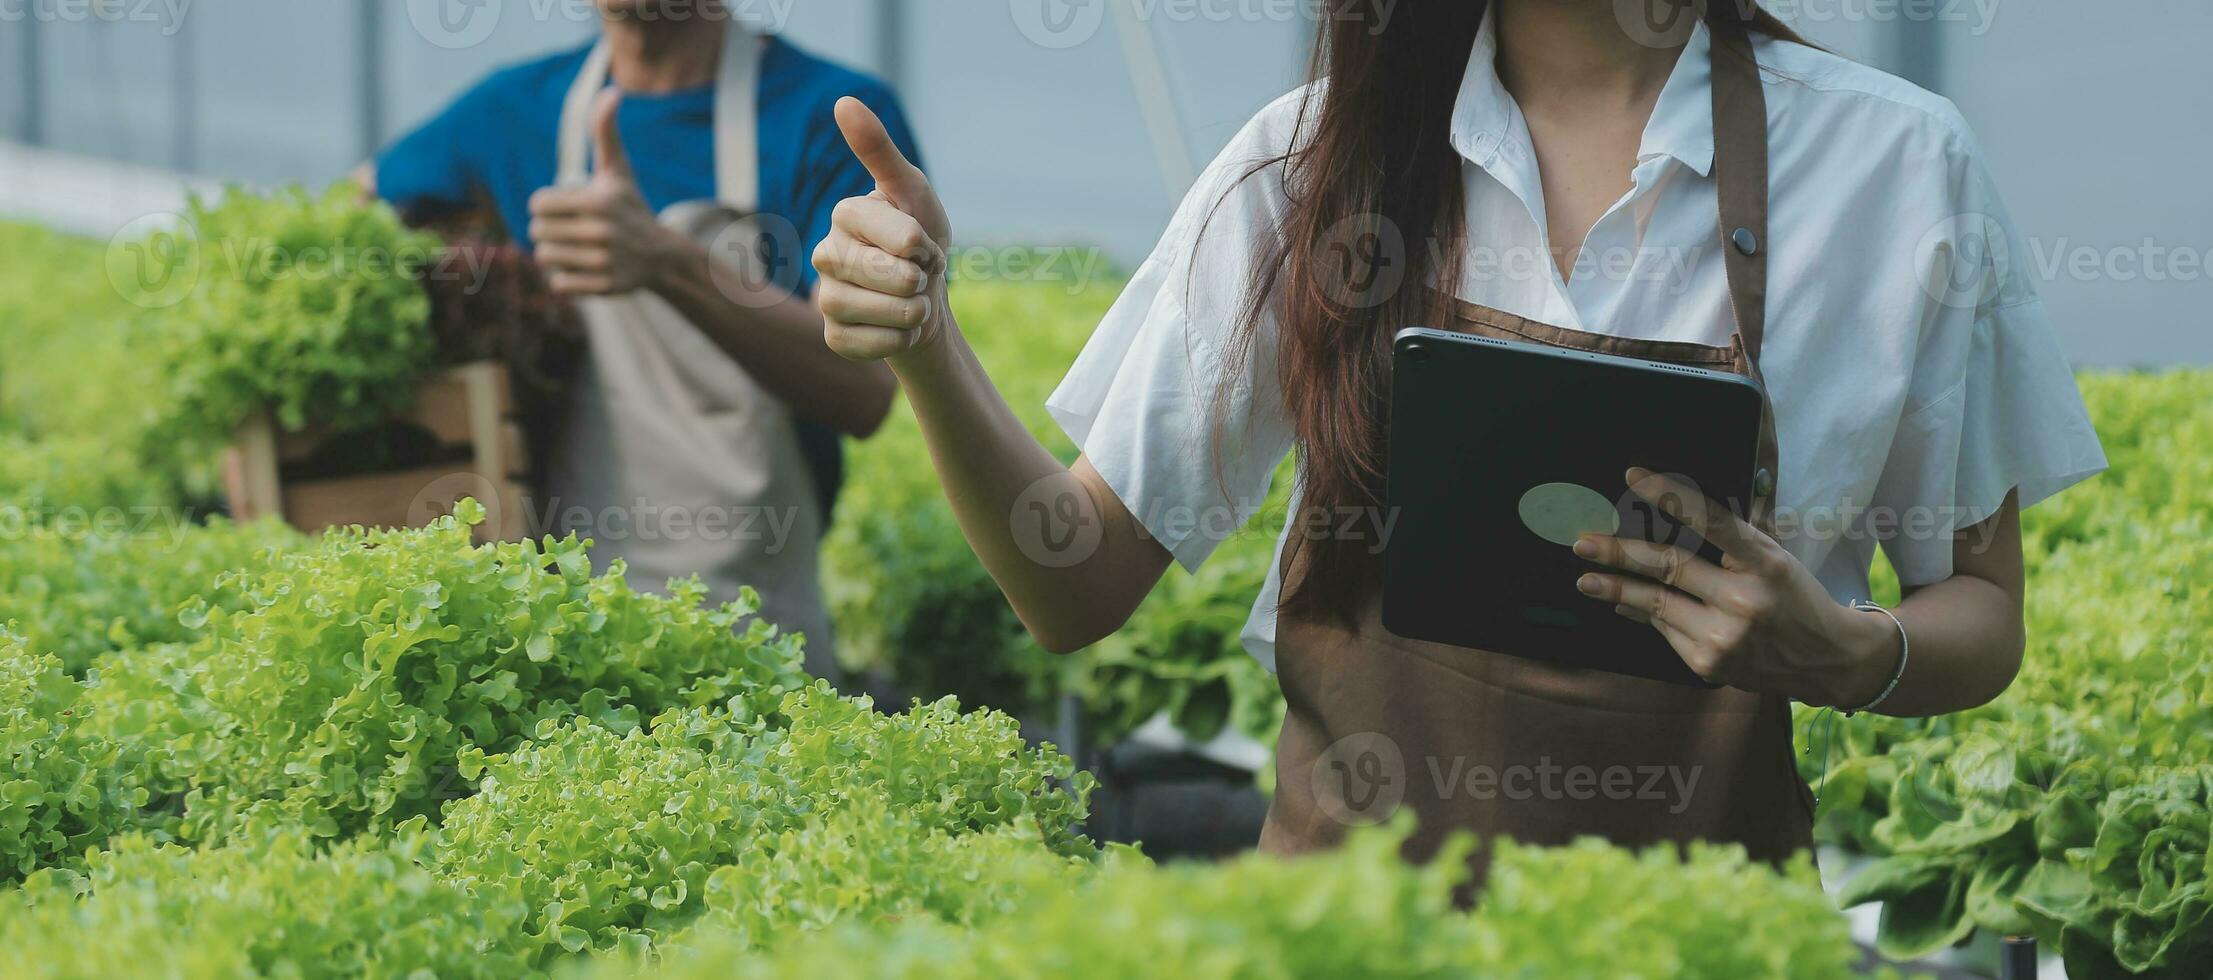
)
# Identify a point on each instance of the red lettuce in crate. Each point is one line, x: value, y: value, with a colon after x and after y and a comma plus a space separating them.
x: 489, y: 301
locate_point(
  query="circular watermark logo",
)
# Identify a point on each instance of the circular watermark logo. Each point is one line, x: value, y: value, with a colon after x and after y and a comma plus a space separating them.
x: 154, y: 261
x: 1052, y: 525
x: 1962, y: 260
x: 1363, y: 261
x: 454, y: 24
x: 1658, y: 23
x: 1653, y: 520
x: 1057, y: 24
x: 754, y: 261
x: 441, y: 498
x: 1360, y: 779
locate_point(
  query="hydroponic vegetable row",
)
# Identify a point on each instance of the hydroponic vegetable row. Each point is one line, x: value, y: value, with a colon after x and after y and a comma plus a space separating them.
x: 400, y: 751
x: 240, y: 750
x: 2078, y: 806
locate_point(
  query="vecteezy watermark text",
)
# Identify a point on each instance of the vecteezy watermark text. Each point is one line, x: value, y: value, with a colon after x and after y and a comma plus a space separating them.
x: 457, y: 24
x: 157, y: 260
x: 771, y: 528
x: 1670, y: 23
x: 141, y: 522
x: 1364, y: 778
x: 168, y: 15
x: 1060, y: 24
x: 1056, y: 524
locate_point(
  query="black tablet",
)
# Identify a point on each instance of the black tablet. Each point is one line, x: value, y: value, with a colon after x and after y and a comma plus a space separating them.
x: 1503, y: 453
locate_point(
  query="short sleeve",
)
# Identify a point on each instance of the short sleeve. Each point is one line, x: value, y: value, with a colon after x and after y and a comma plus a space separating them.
x: 438, y: 166
x: 1180, y: 413
x: 1993, y: 405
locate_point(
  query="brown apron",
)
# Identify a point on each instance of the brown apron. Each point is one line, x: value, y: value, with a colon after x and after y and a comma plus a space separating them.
x: 1507, y: 746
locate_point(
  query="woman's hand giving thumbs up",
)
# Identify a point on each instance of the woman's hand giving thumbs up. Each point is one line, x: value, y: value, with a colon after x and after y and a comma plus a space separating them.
x: 883, y: 265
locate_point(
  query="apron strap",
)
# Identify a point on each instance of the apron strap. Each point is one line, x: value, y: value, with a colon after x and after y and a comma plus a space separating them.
x: 737, y: 119
x: 574, y: 165
x: 1740, y: 170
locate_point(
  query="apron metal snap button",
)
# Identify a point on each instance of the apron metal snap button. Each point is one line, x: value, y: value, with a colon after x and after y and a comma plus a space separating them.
x: 1745, y: 241
x: 1763, y: 482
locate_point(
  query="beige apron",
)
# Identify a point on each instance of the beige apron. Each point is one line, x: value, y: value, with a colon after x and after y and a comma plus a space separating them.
x: 683, y: 463
x: 1508, y: 746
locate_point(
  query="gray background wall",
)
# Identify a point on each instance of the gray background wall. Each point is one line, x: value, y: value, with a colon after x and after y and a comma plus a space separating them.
x: 2093, y: 115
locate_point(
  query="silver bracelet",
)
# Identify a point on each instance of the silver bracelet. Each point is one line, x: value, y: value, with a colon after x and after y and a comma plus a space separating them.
x: 1905, y: 650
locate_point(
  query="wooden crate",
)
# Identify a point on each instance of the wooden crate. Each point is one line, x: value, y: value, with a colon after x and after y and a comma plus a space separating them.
x: 468, y: 409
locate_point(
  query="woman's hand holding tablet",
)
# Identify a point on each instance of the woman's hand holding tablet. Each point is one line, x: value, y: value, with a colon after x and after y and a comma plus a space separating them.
x: 1758, y: 621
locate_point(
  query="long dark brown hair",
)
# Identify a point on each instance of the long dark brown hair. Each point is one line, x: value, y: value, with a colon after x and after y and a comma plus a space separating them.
x: 1372, y: 180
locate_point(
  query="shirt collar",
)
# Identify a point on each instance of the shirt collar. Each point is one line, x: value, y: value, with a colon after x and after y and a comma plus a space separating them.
x: 1682, y: 124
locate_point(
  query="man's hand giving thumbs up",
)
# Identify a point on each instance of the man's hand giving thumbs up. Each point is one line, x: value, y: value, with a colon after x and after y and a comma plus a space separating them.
x: 601, y: 239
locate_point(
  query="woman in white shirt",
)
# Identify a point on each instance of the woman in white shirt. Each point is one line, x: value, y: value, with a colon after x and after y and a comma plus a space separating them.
x: 1613, y: 176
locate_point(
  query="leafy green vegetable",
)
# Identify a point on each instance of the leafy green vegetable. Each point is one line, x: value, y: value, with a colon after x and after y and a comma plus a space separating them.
x: 250, y: 688
x: 62, y: 791
x: 58, y: 314
x: 1183, y: 652
x: 276, y: 908
x: 342, y: 698
x: 604, y: 835
x: 1588, y: 910
x: 2072, y: 807
x: 83, y: 594
x: 65, y: 481
x: 308, y: 306
x: 867, y: 862
x: 2137, y: 899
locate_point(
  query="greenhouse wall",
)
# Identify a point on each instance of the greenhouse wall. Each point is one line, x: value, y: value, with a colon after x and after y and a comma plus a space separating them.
x: 2095, y: 125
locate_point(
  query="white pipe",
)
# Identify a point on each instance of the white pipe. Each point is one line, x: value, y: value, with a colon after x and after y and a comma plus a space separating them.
x: 1155, y: 99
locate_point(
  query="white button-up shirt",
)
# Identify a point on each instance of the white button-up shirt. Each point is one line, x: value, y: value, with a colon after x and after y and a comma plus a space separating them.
x: 1914, y: 377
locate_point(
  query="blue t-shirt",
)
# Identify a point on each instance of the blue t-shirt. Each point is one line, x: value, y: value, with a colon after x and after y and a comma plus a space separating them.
x: 496, y: 144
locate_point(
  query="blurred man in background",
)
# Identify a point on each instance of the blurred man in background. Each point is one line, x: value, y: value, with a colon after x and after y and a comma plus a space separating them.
x: 673, y: 176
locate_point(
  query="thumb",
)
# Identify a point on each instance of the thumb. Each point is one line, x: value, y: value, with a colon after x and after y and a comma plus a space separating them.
x: 614, y: 161
x: 900, y: 180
